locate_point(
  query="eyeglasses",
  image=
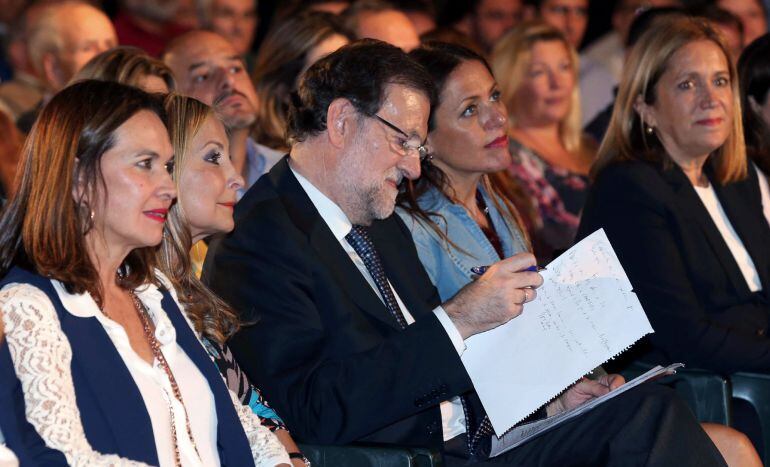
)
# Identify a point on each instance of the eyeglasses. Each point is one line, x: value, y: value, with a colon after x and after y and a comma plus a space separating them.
x: 412, y: 143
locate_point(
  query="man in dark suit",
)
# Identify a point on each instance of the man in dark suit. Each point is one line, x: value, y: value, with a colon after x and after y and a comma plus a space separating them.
x: 347, y: 336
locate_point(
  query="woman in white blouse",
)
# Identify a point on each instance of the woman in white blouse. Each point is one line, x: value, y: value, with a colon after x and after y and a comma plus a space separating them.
x: 112, y: 372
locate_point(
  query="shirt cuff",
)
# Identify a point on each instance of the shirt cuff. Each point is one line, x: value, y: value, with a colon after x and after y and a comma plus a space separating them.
x: 451, y: 329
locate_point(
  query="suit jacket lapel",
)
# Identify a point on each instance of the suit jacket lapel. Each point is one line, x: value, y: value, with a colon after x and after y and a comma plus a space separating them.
x: 692, y: 207
x: 306, y: 217
x: 747, y: 224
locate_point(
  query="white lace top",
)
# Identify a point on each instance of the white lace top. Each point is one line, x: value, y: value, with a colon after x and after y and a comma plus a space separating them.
x: 42, y: 359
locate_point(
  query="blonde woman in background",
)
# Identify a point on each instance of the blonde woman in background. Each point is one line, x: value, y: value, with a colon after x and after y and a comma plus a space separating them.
x: 537, y: 70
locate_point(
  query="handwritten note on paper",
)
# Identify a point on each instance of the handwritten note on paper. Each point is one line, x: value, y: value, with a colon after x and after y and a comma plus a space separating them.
x: 585, y: 313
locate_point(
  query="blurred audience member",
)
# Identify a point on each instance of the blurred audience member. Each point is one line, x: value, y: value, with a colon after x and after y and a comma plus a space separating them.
x: 551, y: 158
x: 288, y: 50
x: 568, y: 16
x: 376, y: 19
x: 597, y: 127
x: 452, y: 36
x: 10, y: 11
x: 207, y: 67
x: 488, y: 20
x: 329, y: 6
x: 131, y: 66
x: 148, y: 24
x: 25, y: 90
x: 422, y: 14
x: 289, y: 8
x: 10, y: 145
x: 729, y: 25
x: 236, y: 21
x: 752, y: 14
x: 754, y: 72
x: 601, y: 63
x: 61, y: 38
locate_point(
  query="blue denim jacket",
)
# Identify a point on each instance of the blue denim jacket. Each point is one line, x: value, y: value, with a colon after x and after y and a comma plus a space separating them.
x: 448, y: 267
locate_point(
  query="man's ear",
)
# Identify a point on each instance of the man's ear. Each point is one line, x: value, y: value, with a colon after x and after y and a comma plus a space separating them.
x: 53, y: 72
x: 340, y: 119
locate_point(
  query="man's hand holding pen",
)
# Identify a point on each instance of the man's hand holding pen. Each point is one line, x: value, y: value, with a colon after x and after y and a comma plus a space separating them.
x: 495, y: 297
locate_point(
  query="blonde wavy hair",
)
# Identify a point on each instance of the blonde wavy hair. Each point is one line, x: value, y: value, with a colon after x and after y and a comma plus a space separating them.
x: 211, y: 316
x: 511, y: 58
x: 649, y: 59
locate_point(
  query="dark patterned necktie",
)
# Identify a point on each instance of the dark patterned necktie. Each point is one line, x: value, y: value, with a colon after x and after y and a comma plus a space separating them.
x: 359, y: 239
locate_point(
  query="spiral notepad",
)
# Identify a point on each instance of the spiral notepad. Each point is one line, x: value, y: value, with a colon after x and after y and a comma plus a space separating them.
x: 585, y: 313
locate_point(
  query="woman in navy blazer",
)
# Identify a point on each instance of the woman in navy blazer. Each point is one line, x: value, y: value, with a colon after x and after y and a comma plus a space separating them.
x: 680, y: 206
x: 111, y: 370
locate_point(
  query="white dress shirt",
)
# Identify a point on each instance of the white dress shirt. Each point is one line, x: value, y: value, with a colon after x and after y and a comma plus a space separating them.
x: 452, y: 414
x: 709, y: 198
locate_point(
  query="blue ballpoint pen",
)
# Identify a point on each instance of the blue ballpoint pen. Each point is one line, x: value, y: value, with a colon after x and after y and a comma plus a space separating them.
x: 479, y: 270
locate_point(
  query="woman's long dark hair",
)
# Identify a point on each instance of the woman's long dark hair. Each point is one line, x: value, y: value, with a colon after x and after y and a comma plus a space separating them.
x: 44, y: 225
x: 754, y: 73
x: 441, y: 59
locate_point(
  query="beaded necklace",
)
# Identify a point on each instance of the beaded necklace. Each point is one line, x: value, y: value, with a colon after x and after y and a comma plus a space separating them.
x: 144, y: 317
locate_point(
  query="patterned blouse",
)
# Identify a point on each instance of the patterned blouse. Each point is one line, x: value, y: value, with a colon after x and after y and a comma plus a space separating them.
x: 558, y: 196
x: 238, y: 383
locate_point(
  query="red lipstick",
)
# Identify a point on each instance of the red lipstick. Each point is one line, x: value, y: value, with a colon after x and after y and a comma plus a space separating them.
x: 499, y: 142
x: 157, y: 214
x: 710, y: 121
